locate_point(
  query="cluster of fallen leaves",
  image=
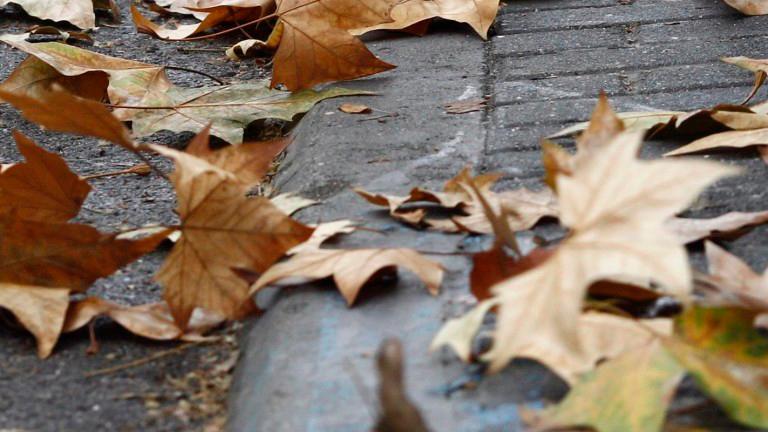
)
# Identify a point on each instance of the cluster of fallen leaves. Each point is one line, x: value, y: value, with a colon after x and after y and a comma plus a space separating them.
x: 567, y: 304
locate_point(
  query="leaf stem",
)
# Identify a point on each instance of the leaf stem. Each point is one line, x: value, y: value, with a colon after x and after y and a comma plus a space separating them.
x: 183, y: 69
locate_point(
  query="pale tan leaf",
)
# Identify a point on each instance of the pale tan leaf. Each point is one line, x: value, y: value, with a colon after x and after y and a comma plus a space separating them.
x: 41, y: 310
x: 616, y: 207
x: 691, y: 230
x: 323, y: 232
x: 351, y: 269
x: 152, y: 320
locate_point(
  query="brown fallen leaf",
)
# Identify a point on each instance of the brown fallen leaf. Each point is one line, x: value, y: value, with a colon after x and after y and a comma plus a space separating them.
x: 60, y: 111
x: 466, y: 106
x: 351, y: 269
x: 249, y: 162
x: 691, y: 230
x: 314, y: 45
x: 407, y: 14
x: 615, y: 206
x: 215, y: 215
x: 749, y: 7
x: 42, y: 188
x: 41, y: 263
x: 351, y: 108
x: 396, y: 413
x: 523, y: 208
x: 212, y: 16
x: 61, y: 255
x: 126, y: 81
x: 152, y: 320
x: 41, y: 310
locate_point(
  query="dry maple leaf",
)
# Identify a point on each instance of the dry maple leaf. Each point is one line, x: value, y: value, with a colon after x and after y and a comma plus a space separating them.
x: 41, y: 310
x: 78, y: 12
x: 60, y: 111
x: 42, y: 188
x: 40, y: 263
x: 314, y: 45
x: 228, y: 109
x: 126, y: 81
x: 222, y: 231
x: 615, y: 206
x: 731, y: 139
x: 479, y: 14
x: 152, y: 320
x: 235, y: 11
x: 249, y: 162
x: 397, y: 413
x: 351, y: 269
x: 749, y: 7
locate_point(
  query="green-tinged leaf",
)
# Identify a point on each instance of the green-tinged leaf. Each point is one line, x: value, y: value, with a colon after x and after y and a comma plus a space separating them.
x: 629, y: 393
x: 128, y: 80
x: 724, y: 331
x: 228, y: 108
x: 727, y: 358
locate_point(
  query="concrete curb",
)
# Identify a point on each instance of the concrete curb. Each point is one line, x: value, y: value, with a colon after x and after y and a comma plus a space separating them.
x: 297, y: 366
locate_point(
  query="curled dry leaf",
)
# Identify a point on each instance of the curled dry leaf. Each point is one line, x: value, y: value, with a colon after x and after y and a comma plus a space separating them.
x: 41, y: 310
x: 77, y: 12
x: 201, y: 269
x: 249, y: 162
x: 42, y: 188
x: 351, y: 269
x: 691, y: 230
x: 152, y: 320
x: 616, y: 207
x: 289, y: 203
x: 228, y: 109
x: 397, y: 413
x: 83, y: 72
x: 732, y: 139
x: 478, y: 14
x: 323, y: 232
x: 211, y: 17
x: 314, y: 45
x: 60, y: 111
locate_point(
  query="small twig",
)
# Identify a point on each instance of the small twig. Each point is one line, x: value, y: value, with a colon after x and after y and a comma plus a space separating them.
x: 141, y: 169
x: 426, y: 252
x: 145, y: 360
x: 185, y: 49
x: 93, y: 348
x: 393, y: 115
x: 183, y: 69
